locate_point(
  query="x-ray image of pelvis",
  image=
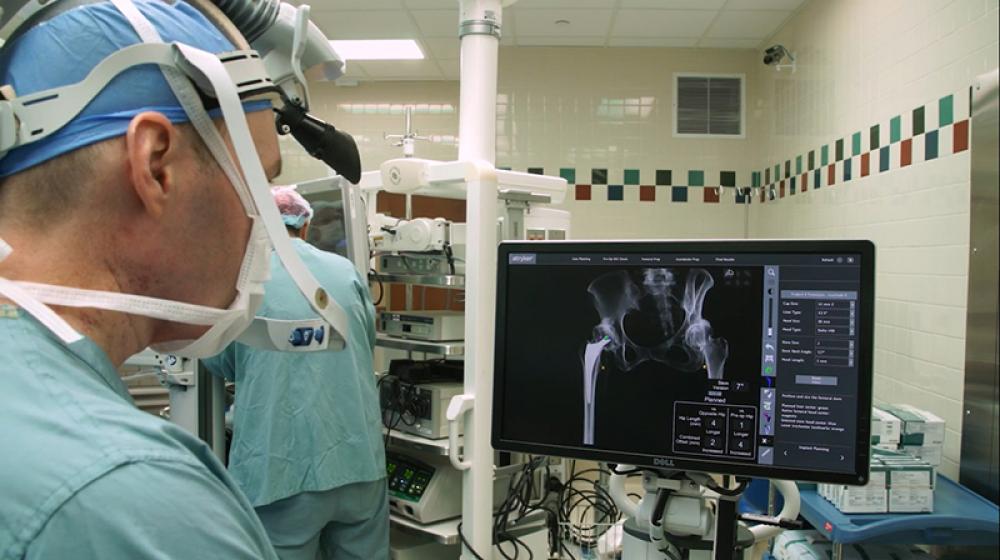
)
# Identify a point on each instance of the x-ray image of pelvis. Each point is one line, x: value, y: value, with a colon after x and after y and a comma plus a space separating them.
x: 650, y: 314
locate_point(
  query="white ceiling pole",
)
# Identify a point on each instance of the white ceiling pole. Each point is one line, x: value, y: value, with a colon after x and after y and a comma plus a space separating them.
x: 479, y: 32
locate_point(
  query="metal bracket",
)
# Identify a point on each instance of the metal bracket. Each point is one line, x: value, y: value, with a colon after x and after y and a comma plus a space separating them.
x: 457, y: 408
x: 479, y: 27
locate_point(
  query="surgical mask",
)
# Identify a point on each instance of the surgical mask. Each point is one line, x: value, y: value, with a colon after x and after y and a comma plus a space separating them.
x: 267, y: 231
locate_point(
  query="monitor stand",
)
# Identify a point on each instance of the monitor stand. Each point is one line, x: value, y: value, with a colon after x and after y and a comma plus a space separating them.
x: 677, y: 516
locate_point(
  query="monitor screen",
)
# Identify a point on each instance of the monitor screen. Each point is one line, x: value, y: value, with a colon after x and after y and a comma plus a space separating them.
x: 338, y: 224
x: 734, y: 357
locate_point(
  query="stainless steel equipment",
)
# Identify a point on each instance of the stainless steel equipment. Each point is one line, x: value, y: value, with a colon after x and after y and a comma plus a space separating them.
x: 980, y: 430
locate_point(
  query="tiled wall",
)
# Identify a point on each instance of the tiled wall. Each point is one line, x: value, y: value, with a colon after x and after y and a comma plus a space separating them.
x: 869, y: 139
x: 602, y: 118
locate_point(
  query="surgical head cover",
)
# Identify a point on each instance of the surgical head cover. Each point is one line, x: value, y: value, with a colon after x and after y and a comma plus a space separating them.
x: 64, y: 49
x: 295, y: 210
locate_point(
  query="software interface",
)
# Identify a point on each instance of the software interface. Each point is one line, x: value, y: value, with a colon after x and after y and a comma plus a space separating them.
x: 748, y: 358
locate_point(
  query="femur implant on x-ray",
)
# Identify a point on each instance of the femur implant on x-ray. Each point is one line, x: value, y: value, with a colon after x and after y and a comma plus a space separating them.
x: 646, y: 321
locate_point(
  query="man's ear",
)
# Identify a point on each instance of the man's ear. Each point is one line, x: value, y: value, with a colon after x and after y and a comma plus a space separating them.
x: 153, y: 145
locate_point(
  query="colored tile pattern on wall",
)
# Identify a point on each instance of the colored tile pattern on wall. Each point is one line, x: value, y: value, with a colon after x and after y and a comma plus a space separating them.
x: 947, y: 135
x: 876, y: 149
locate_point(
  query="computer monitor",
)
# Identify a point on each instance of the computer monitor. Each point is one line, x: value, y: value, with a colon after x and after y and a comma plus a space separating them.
x: 734, y: 357
x: 338, y: 224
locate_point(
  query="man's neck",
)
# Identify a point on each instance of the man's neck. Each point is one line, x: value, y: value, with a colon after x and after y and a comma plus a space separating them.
x: 120, y: 335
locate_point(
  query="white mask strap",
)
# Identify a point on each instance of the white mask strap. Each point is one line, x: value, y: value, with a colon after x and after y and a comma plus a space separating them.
x: 39, y: 310
x: 125, y: 303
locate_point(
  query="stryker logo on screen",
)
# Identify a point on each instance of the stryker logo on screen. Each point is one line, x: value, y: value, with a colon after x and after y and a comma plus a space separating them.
x: 524, y: 258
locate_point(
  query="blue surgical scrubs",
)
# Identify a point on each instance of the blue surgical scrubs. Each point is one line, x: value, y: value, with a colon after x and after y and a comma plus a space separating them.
x: 307, y: 438
x: 84, y: 474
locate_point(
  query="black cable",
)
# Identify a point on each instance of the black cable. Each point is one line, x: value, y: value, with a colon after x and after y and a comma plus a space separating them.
x: 381, y: 288
x: 594, y: 499
x: 661, y: 504
x: 729, y: 492
x: 451, y: 258
x: 566, y: 550
x: 466, y: 544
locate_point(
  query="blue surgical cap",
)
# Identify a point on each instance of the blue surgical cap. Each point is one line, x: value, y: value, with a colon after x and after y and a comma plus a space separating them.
x: 64, y: 49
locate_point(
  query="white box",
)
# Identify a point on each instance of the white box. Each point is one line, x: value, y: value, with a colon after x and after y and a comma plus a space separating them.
x: 933, y: 426
x: 871, y: 498
x: 911, y: 500
x: 930, y: 453
x: 866, y: 500
x: 917, y: 477
x: 890, y: 426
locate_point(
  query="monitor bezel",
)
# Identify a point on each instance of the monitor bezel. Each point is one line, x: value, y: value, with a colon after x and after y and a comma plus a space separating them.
x: 865, y: 249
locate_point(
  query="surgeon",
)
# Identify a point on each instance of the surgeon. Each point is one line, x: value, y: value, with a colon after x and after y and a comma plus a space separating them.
x: 112, y: 224
x: 307, y: 447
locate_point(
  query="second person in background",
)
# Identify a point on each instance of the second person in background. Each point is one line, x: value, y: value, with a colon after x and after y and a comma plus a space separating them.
x: 307, y: 447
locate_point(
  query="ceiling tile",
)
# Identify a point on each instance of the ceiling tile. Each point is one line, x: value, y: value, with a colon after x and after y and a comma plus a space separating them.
x: 679, y: 42
x: 450, y: 67
x: 429, y: 4
x: 437, y: 23
x: 675, y: 4
x: 401, y: 69
x: 594, y: 23
x: 662, y: 23
x: 569, y: 4
x: 544, y: 41
x: 352, y: 5
x: 365, y: 25
x: 764, y: 4
x: 716, y: 43
x: 746, y: 24
x: 442, y: 47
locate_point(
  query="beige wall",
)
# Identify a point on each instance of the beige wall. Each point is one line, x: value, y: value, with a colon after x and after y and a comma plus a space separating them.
x: 860, y: 64
x: 573, y: 108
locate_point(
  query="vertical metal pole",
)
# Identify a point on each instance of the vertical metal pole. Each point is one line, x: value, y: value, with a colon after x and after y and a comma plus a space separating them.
x: 479, y: 31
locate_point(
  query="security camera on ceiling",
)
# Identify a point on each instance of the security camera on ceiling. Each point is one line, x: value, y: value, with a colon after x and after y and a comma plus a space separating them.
x: 774, y: 54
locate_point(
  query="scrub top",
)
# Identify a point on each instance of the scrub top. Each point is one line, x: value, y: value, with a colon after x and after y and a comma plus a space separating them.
x: 308, y: 421
x: 85, y: 474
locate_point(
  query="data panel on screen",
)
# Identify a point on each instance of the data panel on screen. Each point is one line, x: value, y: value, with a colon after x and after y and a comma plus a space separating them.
x: 744, y: 357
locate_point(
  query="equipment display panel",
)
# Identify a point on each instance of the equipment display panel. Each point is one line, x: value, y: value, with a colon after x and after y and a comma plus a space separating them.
x: 733, y: 357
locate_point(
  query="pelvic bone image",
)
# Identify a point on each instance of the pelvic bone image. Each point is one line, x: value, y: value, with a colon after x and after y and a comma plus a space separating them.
x: 650, y: 317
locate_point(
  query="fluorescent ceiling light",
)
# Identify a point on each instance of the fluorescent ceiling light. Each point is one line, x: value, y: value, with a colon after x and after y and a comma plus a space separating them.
x: 378, y: 49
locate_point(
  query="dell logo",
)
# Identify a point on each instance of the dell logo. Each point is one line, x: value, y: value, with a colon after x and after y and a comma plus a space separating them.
x: 662, y: 462
x: 524, y: 258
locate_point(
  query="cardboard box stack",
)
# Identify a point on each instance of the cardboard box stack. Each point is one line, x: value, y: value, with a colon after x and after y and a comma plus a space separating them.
x: 871, y: 498
x: 921, y: 433
x: 811, y: 545
x: 898, y: 483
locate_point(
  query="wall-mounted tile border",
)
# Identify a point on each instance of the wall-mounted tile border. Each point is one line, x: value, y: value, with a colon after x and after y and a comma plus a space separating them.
x: 664, y: 185
x: 931, y: 131
x: 934, y: 130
